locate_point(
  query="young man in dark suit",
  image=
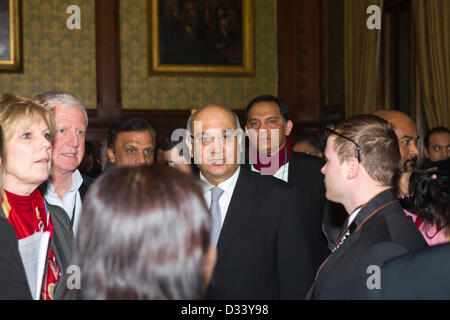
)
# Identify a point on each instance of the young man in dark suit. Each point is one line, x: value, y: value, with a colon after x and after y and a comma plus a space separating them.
x: 362, y: 165
x: 261, y: 246
x: 268, y: 127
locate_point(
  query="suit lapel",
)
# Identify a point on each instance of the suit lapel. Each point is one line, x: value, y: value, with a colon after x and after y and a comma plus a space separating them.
x: 239, y: 210
x: 292, y: 172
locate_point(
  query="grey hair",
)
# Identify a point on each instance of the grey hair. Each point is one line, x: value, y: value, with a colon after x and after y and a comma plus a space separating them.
x: 64, y: 99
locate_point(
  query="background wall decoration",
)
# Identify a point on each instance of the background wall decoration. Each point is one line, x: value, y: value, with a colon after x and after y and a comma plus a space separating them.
x: 9, y: 35
x: 139, y: 91
x: 53, y: 56
x: 201, y: 37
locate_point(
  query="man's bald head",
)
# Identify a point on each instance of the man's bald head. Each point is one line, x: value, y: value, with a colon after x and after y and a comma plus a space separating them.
x: 216, y: 109
x: 396, y: 118
x: 406, y: 132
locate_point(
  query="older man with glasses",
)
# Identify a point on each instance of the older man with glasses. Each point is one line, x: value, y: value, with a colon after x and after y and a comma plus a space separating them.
x: 362, y: 164
x: 262, y: 250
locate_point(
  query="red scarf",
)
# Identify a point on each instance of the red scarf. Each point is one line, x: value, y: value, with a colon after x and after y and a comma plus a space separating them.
x: 283, y: 155
x: 28, y: 215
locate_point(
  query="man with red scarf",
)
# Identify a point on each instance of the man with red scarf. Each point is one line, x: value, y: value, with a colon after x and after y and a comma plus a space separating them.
x: 268, y: 127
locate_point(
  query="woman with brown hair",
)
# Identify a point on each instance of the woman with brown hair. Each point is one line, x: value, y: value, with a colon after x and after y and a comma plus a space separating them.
x: 28, y: 130
x: 144, y: 234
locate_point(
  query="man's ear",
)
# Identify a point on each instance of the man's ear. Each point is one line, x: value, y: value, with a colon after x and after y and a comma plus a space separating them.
x: 288, y: 129
x: 111, y: 155
x: 353, y: 168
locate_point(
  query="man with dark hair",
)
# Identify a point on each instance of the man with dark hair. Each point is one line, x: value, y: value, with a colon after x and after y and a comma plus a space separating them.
x: 271, y: 153
x: 131, y: 142
x: 310, y: 143
x: 437, y: 144
x: 362, y: 164
x: 175, y: 150
x: 257, y: 220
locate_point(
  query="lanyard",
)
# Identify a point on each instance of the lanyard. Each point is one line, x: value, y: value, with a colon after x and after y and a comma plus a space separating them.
x: 347, y: 230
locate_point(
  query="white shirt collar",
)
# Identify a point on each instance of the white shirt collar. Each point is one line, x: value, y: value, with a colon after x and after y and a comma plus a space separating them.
x: 77, y: 181
x: 282, y: 173
x: 227, y: 186
x: 353, y: 216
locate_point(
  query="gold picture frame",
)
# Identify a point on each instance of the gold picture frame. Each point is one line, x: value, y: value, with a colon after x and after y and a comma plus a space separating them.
x: 10, y: 51
x: 189, y: 38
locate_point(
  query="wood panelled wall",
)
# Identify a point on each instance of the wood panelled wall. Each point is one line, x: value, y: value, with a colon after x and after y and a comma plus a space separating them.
x: 302, y: 70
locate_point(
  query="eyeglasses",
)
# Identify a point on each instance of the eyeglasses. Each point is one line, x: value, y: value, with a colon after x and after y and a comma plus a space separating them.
x: 330, y: 128
x: 205, y: 139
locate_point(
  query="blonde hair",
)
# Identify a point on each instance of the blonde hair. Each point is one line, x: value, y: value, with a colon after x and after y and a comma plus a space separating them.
x: 14, y: 109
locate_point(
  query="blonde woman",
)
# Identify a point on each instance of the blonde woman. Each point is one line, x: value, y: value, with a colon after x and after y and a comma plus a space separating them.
x: 28, y: 130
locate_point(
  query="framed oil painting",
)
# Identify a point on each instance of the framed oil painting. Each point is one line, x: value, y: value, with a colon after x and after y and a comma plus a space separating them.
x: 201, y: 37
x: 9, y: 35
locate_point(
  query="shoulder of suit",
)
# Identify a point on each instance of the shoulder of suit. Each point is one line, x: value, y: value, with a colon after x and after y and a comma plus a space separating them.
x: 268, y: 181
x: 87, y: 180
x: 305, y: 158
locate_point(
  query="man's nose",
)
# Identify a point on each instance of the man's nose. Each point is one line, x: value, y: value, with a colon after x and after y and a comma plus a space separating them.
x: 74, y: 139
x: 140, y: 159
x: 413, y: 149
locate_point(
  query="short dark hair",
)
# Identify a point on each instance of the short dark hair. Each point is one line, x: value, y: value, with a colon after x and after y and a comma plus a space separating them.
x: 269, y: 98
x: 167, y: 143
x: 129, y: 125
x: 313, y: 138
x: 429, y: 185
x: 144, y: 234
x: 434, y: 131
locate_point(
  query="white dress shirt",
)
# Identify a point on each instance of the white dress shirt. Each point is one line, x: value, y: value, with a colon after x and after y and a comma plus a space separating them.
x: 227, y: 186
x: 71, y: 202
x: 281, y: 174
x: 353, y: 216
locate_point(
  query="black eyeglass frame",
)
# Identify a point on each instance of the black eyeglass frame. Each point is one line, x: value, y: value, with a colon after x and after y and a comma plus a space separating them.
x: 330, y: 128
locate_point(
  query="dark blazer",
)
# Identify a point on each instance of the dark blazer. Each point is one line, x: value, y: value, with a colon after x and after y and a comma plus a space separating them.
x: 261, y: 251
x: 386, y: 234
x: 62, y: 240
x: 13, y: 281
x: 423, y: 274
x: 87, y: 181
x: 305, y: 175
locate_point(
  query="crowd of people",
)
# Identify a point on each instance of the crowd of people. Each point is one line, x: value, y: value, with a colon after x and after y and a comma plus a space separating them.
x: 216, y: 211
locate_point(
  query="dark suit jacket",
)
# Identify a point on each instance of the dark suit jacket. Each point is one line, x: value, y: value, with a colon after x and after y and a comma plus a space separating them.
x: 386, y: 234
x: 85, y: 185
x: 261, y: 251
x: 423, y: 274
x: 305, y: 175
x: 61, y: 242
x: 13, y: 281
